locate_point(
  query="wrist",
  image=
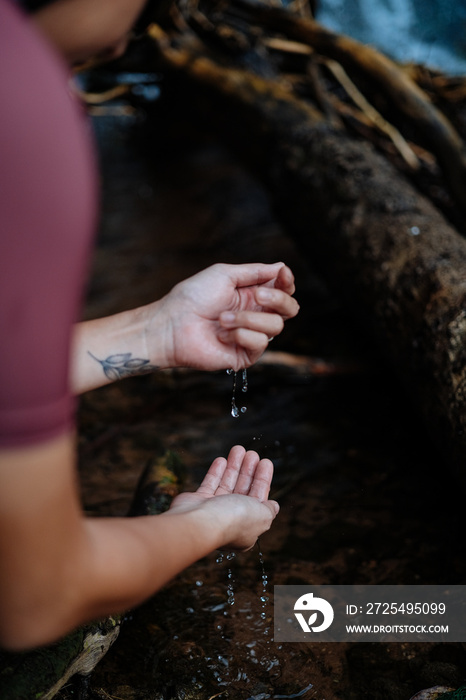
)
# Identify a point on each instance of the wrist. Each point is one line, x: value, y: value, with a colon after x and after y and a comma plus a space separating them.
x: 223, y: 518
x: 157, y: 334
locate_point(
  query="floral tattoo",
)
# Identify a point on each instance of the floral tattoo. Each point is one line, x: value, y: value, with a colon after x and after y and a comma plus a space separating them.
x: 123, y: 365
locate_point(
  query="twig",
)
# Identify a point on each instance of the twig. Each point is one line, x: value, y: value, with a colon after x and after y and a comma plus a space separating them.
x: 98, y: 98
x: 287, y: 46
x: 302, y: 364
x: 373, y: 115
x: 347, y: 110
x: 404, y: 94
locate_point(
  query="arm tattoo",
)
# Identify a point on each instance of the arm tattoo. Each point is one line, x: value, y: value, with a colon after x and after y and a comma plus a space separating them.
x: 123, y: 365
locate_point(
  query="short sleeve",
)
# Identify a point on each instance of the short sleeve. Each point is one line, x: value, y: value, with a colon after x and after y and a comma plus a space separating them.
x: 47, y: 217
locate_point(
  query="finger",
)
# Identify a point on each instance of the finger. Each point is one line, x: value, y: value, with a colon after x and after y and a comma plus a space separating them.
x: 212, y: 479
x: 233, y: 467
x: 273, y: 506
x: 276, y: 300
x: 260, y: 485
x: 285, y: 280
x: 273, y: 509
x: 246, y: 475
x: 251, y: 342
x: 253, y: 273
x: 269, y: 324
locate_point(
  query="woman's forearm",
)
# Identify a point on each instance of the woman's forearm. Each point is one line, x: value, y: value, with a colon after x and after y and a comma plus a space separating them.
x: 60, y: 569
x: 132, y: 558
x: 116, y: 565
x: 107, y: 349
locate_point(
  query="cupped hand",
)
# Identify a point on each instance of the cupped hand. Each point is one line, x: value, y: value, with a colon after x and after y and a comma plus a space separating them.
x: 235, y: 491
x: 224, y: 316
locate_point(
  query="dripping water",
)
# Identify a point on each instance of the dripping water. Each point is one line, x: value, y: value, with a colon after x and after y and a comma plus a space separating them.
x: 235, y: 411
x: 261, y: 650
x: 264, y: 598
x: 231, y: 581
x: 268, y: 660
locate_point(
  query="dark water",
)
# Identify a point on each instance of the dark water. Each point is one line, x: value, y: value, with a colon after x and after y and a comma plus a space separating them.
x: 431, y: 33
x: 364, y: 496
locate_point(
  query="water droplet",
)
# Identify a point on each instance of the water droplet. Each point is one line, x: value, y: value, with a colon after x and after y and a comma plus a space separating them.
x: 244, y: 385
x: 219, y: 559
x: 199, y: 583
x: 415, y: 230
x: 235, y: 411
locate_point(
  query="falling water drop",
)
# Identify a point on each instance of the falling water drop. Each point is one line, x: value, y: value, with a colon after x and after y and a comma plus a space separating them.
x: 244, y: 386
x: 231, y: 581
x: 235, y: 411
x: 268, y: 659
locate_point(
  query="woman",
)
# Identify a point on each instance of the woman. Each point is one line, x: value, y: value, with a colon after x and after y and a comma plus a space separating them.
x: 59, y: 568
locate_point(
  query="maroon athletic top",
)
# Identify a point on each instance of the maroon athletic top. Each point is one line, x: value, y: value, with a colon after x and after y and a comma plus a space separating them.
x: 47, y: 214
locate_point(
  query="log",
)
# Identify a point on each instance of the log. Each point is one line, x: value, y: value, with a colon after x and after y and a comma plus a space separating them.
x: 41, y: 673
x: 386, y: 77
x: 378, y: 241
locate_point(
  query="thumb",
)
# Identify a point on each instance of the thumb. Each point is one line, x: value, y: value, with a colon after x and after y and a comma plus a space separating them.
x: 273, y: 507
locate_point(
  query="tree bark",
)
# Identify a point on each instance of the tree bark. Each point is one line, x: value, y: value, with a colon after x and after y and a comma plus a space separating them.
x: 396, y: 86
x: 380, y: 243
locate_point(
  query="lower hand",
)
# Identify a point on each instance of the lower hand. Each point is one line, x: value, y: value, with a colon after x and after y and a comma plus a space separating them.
x: 235, y: 490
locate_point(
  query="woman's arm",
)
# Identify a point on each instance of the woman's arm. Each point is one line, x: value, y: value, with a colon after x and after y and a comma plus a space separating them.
x: 111, y: 348
x: 221, y: 318
x: 60, y: 569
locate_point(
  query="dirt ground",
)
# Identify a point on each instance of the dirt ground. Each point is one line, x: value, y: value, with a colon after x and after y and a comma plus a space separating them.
x: 364, y: 496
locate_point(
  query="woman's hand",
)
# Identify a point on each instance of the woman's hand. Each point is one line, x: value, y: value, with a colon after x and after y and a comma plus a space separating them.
x: 235, y: 492
x: 222, y: 317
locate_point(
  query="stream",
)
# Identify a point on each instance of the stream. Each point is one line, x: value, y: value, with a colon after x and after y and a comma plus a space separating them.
x: 364, y: 496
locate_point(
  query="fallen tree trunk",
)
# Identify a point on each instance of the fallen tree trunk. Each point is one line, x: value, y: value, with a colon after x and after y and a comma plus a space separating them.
x: 381, y: 243
x: 396, y: 86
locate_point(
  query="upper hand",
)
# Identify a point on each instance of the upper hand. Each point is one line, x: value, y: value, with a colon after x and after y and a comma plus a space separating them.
x: 224, y: 316
x: 235, y: 490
